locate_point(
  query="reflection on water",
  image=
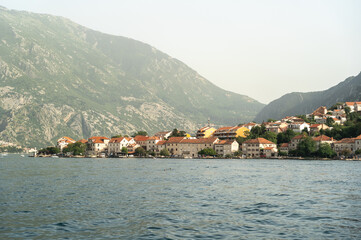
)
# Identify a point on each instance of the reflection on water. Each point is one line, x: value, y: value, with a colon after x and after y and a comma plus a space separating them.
x: 47, y: 198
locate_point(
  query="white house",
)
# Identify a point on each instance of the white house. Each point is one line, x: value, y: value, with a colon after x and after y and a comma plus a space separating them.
x: 97, y: 145
x: 63, y: 142
x: 226, y: 147
x: 298, y: 126
x: 255, y: 147
x: 115, y: 145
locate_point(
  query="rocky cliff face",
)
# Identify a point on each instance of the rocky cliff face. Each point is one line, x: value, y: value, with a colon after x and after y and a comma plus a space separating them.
x: 59, y: 78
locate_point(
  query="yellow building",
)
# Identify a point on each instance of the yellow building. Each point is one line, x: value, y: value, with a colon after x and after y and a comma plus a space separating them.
x: 205, y: 132
x: 231, y: 132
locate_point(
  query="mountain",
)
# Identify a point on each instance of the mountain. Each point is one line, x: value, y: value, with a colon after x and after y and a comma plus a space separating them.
x: 59, y: 78
x: 303, y: 103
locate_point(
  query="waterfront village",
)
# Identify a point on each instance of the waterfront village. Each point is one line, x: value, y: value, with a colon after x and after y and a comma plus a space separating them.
x: 313, y: 135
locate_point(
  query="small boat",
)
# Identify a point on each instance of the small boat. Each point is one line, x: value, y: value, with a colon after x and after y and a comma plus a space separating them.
x: 55, y: 156
x: 22, y: 155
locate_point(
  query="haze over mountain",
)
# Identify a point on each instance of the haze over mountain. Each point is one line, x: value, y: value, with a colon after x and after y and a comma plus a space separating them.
x: 59, y: 78
x: 303, y: 103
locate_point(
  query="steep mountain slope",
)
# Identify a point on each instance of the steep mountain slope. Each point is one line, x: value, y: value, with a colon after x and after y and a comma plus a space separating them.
x: 59, y: 78
x: 303, y: 103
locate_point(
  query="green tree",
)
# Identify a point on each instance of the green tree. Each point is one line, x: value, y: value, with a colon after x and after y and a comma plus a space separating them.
x: 125, y: 150
x: 177, y: 133
x: 305, y: 130
x: 333, y: 107
x: 358, y: 152
x: 164, y: 152
x: 285, y: 137
x: 240, y: 139
x: 271, y: 120
x: 142, y: 133
x: 238, y: 153
x: 280, y: 153
x: 325, y: 151
x: 117, y: 136
x: 49, y: 150
x: 347, y: 110
x: 306, y: 147
x: 346, y: 152
x: 354, y: 116
x: 270, y: 136
x: 140, y: 151
x: 77, y: 148
x: 304, y: 118
x: 257, y: 132
x: 207, y: 152
x: 330, y: 122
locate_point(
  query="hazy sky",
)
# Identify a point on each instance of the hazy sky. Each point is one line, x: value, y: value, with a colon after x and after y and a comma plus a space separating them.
x: 263, y: 49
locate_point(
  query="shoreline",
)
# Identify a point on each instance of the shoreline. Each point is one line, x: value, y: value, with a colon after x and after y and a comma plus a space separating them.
x: 280, y: 158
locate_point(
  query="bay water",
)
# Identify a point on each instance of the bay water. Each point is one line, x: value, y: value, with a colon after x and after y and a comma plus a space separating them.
x: 75, y: 198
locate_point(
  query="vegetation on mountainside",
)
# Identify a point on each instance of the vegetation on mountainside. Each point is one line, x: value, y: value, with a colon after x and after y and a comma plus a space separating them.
x: 303, y: 103
x: 350, y: 129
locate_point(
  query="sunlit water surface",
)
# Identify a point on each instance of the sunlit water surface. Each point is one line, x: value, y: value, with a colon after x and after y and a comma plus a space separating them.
x: 47, y: 198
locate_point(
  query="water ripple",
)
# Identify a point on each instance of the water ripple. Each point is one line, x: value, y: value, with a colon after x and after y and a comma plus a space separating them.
x: 179, y: 199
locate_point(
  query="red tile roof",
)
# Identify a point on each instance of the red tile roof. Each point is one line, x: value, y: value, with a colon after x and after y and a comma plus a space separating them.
x: 97, y: 139
x: 223, y: 129
x: 284, y: 145
x: 322, y: 138
x: 83, y: 141
x: 259, y: 141
x: 140, y: 138
x: 225, y: 142
x: 298, y: 137
x: 175, y: 139
x: 66, y: 139
x: 315, y: 125
x: 153, y: 138
x: 200, y: 140
x: 346, y: 140
x: 161, y: 142
x: 358, y: 137
x: 118, y: 140
x: 268, y: 148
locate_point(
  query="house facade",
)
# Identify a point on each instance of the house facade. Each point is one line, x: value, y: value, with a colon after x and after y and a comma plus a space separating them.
x: 97, y: 145
x: 115, y: 145
x: 173, y: 145
x: 141, y: 141
x: 298, y: 126
x: 163, y: 135
x: 284, y: 148
x: 254, y: 148
x: 205, y: 132
x: 63, y: 142
x: 323, y: 139
x: 151, y: 144
x: 317, y: 127
x: 295, y: 141
x: 226, y: 147
x: 345, y: 145
x: 231, y: 132
x: 189, y: 148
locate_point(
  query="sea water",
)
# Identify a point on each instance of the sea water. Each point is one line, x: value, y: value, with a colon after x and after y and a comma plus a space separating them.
x: 72, y: 198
